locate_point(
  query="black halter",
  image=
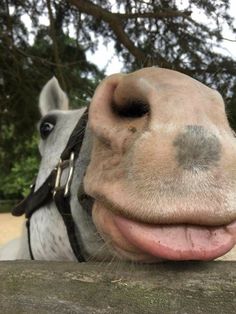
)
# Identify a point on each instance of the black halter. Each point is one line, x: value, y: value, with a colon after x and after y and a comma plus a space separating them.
x: 51, y: 189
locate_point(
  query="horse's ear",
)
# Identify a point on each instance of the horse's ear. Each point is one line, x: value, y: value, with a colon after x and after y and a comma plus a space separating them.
x: 52, y: 97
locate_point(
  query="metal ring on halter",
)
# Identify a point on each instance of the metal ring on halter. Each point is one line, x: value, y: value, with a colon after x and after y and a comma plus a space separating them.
x: 62, y: 165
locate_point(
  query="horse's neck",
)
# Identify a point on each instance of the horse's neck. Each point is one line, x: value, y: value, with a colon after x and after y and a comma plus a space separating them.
x: 48, y: 235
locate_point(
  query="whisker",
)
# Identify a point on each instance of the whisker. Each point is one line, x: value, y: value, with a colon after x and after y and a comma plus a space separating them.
x: 96, y: 254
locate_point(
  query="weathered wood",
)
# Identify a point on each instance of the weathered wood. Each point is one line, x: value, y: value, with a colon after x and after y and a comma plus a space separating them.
x: 51, y: 287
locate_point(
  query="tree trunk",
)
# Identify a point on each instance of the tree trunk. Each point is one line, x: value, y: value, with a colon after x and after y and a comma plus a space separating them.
x: 55, y: 46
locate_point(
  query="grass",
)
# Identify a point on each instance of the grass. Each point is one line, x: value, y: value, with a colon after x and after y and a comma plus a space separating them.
x: 6, y: 205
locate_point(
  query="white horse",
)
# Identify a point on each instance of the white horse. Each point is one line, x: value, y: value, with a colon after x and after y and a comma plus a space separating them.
x: 158, y: 159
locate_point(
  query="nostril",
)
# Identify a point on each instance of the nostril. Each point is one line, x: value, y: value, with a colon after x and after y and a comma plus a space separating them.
x: 131, y: 108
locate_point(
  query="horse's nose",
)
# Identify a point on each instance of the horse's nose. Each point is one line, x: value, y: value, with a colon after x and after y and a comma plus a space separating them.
x: 197, y: 148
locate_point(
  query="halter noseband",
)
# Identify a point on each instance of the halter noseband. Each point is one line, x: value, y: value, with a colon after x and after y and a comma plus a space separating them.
x: 52, y: 189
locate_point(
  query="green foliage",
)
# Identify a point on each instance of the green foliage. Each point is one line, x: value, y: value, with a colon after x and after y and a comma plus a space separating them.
x: 27, y: 62
x: 15, y: 184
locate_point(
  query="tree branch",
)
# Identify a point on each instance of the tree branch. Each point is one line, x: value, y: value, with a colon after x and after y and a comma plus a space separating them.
x: 114, y: 21
x: 46, y: 61
x: 55, y: 46
x: 160, y: 15
x: 228, y: 39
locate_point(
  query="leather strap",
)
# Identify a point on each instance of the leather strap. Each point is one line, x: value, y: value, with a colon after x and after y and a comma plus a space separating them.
x: 29, y: 240
x: 85, y: 200
x: 63, y: 206
x: 36, y: 199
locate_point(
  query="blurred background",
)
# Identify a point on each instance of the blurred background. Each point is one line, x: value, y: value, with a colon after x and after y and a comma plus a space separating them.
x: 81, y: 41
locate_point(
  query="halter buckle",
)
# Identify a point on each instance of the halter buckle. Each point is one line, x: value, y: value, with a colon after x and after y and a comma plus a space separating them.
x: 62, y: 165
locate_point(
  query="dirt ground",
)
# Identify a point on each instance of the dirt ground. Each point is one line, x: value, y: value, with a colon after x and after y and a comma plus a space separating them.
x: 10, y: 228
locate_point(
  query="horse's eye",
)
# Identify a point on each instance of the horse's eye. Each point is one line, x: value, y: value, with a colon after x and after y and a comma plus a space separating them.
x: 45, y: 129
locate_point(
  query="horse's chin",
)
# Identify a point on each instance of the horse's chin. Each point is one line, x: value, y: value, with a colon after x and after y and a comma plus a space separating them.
x: 142, y: 242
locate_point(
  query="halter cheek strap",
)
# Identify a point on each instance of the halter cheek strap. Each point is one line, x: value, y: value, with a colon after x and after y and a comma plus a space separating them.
x: 51, y: 189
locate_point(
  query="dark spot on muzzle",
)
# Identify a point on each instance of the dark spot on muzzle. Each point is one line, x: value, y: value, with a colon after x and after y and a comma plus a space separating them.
x: 197, y: 148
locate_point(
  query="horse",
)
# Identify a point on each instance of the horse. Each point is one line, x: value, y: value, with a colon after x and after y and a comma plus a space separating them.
x: 145, y: 174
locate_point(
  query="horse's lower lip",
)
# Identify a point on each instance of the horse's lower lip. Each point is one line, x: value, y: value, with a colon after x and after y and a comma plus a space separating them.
x: 178, y: 242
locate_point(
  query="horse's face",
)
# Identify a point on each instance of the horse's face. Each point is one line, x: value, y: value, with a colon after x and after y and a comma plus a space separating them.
x: 55, y: 126
x: 48, y: 233
x: 162, y: 168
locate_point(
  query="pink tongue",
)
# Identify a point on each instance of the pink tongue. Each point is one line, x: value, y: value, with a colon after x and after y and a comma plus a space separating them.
x: 178, y: 242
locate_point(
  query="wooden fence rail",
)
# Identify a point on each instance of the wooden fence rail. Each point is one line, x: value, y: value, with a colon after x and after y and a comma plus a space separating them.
x: 56, y: 287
